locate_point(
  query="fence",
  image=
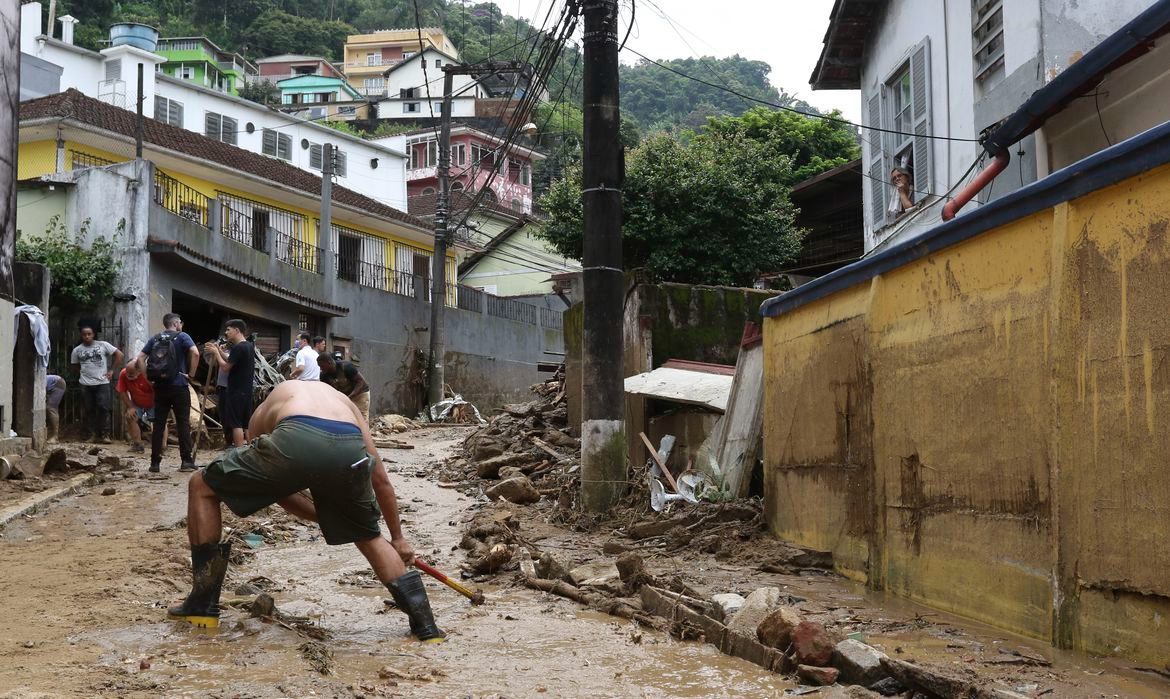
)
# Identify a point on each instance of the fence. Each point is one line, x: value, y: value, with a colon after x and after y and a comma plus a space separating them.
x: 551, y: 319
x: 251, y: 222
x: 510, y: 309
x: 64, y: 337
x: 466, y: 297
x: 298, y: 253
x: 79, y: 160
x: 178, y: 198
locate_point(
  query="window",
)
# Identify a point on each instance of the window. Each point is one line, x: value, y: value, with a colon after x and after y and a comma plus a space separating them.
x: 438, y: 107
x: 340, y: 163
x: 277, y: 144
x: 417, y: 154
x: 408, y: 54
x: 432, y: 153
x: 987, y: 39
x: 428, y: 191
x: 114, y: 69
x: 457, y: 186
x: 900, y: 104
x: 459, y: 154
x: 480, y: 155
x: 406, y: 93
x: 438, y: 63
x: 187, y: 72
x: 517, y: 205
x: 374, y: 84
x: 525, y: 174
x: 220, y: 127
x: 373, y: 59
x: 410, y: 107
x: 168, y: 111
x: 315, y: 156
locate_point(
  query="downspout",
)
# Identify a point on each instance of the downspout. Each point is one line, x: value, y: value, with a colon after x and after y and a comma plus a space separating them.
x: 981, y: 180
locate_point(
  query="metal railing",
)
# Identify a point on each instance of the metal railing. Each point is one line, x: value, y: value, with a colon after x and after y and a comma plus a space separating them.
x: 80, y: 160
x: 551, y: 319
x: 510, y: 309
x: 468, y: 298
x: 178, y: 198
x: 298, y: 253
x: 253, y: 223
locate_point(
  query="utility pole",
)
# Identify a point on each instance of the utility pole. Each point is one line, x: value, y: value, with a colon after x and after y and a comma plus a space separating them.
x: 603, y: 440
x: 139, y: 123
x: 442, y: 211
x: 325, y: 232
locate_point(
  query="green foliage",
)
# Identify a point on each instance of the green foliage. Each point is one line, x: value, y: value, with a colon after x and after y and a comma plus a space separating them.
x: 261, y: 92
x: 814, y: 145
x: 714, y: 210
x: 82, y: 276
x: 276, y: 31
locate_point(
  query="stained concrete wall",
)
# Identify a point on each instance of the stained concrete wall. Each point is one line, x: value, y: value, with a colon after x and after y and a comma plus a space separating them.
x: 984, y: 429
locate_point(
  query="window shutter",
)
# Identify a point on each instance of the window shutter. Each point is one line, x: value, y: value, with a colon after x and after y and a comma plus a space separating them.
x: 229, y: 130
x: 211, y: 125
x: 284, y: 146
x: 339, y: 163
x: 315, y: 156
x: 268, y: 142
x: 114, y: 69
x: 175, y: 113
x: 877, y: 188
x: 160, y: 109
x: 920, y: 84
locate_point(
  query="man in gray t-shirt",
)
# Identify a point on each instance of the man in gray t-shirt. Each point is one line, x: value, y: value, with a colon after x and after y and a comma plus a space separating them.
x: 89, y: 360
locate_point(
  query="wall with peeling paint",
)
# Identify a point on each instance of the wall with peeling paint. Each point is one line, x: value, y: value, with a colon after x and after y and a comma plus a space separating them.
x: 985, y: 429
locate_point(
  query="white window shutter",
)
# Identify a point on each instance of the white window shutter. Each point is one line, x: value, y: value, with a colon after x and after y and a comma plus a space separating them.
x: 284, y: 146
x: 877, y: 167
x: 229, y: 130
x: 268, y: 142
x: 920, y: 84
x: 175, y: 113
x: 211, y: 125
x: 160, y: 109
x: 315, y: 156
x: 339, y: 163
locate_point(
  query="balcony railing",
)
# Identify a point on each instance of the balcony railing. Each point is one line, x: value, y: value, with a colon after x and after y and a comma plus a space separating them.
x: 80, y: 160
x: 255, y: 224
x: 551, y: 319
x: 178, y: 198
x: 298, y: 253
x: 511, y: 309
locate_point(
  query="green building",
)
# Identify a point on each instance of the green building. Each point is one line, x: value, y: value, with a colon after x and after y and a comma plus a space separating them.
x: 197, y: 59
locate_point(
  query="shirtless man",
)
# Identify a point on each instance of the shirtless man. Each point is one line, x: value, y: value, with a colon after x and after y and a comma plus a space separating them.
x: 310, y: 436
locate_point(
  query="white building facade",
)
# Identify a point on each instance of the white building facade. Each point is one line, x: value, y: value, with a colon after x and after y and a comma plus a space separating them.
x: 935, y: 75
x: 413, y: 92
x: 370, y: 168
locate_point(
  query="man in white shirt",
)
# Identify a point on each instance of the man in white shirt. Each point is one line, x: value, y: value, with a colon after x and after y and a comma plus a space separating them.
x: 306, y: 368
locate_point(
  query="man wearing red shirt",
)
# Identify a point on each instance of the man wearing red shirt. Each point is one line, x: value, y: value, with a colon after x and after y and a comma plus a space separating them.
x: 137, y: 394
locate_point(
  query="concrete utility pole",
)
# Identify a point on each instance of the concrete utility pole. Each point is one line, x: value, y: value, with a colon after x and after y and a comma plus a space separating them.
x: 603, y: 440
x: 139, y: 123
x: 442, y: 235
x: 325, y: 233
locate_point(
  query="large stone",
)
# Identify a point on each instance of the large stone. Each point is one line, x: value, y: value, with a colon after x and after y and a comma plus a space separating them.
x: 858, y: 662
x: 928, y: 681
x: 518, y: 490
x: 510, y: 472
x: 552, y: 567
x: 488, y: 450
x: 812, y: 644
x: 776, y: 628
x: 490, y: 468
x: 56, y: 461
x: 28, y: 466
x: 888, y: 687
x: 817, y: 676
x: 593, y: 574
x: 726, y: 605
x: 758, y: 605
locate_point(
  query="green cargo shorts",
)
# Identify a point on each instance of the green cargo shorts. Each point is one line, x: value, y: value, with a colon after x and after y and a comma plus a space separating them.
x: 334, y: 467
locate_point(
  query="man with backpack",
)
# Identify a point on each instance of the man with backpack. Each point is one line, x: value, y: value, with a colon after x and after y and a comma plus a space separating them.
x: 168, y: 359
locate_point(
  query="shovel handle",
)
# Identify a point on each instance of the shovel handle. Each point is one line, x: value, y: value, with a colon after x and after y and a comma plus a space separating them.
x: 444, y: 579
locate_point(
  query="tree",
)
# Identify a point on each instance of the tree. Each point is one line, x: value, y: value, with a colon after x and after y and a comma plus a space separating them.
x: 814, y: 145
x: 712, y: 210
x: 261, y: 92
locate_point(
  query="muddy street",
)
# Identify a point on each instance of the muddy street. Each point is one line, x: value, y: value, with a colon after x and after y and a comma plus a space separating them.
x: 87, y: 581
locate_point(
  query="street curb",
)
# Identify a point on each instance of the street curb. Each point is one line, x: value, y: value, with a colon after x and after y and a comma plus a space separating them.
x: 37, y: 500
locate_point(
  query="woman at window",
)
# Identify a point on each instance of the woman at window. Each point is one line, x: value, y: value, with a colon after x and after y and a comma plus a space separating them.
x: 903, y: 199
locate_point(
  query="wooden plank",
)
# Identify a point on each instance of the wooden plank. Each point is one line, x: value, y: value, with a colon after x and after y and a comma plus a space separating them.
x: 654, y: 455
x: 738, y: 437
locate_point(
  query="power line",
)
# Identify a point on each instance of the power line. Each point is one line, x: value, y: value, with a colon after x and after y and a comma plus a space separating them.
x: 785, y: 108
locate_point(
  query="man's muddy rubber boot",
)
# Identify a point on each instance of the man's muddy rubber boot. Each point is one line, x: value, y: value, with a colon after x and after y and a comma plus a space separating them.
x: 411, y: 597
x: 208, y: 567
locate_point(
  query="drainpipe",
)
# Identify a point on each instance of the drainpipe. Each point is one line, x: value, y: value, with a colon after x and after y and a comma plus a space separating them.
x: 981, y: 180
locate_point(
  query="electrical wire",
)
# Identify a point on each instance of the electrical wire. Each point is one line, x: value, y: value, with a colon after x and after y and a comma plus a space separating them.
x: 782, y: 107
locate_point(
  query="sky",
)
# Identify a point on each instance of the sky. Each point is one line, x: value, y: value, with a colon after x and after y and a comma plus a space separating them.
x: 785, y: 34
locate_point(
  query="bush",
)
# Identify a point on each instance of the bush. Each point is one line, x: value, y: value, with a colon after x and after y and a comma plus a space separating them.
x: 82, y: 275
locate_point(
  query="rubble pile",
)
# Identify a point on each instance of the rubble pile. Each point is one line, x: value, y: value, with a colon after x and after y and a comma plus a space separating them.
x: 384, y: 428
x: 525, y: 447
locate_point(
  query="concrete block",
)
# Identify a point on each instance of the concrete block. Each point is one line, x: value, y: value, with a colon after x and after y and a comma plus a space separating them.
x: 726, y: 605
x: 858, y: 662
x: 758, y: 605
x: 518, y: 490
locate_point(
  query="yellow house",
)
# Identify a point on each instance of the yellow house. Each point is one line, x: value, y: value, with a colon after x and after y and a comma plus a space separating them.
x: 367, y: 56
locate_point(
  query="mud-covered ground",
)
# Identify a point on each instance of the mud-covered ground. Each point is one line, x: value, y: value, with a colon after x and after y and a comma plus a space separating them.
x: 86, y: 582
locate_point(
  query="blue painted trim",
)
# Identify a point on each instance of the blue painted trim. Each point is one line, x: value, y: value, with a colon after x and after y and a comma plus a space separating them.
x: 1127, y: 159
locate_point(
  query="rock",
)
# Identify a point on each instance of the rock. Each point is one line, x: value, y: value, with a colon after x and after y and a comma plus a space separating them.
x: 510, y: 472
x: 144, y: 664
x: 613, y: 548
x: 560, y: 439
x: 758, y: 605
x: 645, y: 530
x: 488, y: 450
x: 490, y: 468
x: 888, y: 687
x: 109, y: 491
x: 247, y: 589
x: 112, y: 462
x: 94, y: 451
x: 56, y: 462
x: 776, y: 628
x: 594, y: 573
x: 817, y: 676
x: 858, y: 662
x: 518, y: 490
x: 552, y: 567
x: 726, y: 605
x: 812, y: 644
x: 633, y: 572
x: 929, y: 682
x: 263, y: 605
x: 497, y: 557
x: 27, y: 466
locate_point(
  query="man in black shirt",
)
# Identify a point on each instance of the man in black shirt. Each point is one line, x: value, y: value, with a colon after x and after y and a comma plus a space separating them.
x: 345, y: 377
x: 235, y: 407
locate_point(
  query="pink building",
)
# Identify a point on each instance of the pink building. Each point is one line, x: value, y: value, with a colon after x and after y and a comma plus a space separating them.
x: 474, y: 156
x: 291, y: 65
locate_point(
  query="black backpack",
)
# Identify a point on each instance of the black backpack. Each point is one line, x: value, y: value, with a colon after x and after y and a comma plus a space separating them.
x: 162, y: 364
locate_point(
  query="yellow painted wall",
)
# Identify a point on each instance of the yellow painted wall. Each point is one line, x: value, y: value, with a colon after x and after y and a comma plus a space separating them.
x: 986, y: 429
